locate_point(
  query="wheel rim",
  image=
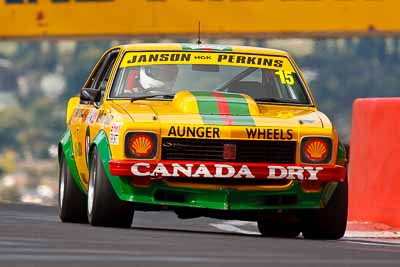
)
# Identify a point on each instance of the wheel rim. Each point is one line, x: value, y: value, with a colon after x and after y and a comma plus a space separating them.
x: 92, y: 181
x: 87, y: 141
x: 62, y: 185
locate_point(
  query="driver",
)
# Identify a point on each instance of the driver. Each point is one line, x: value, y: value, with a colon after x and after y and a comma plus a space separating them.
x: 153, y: 78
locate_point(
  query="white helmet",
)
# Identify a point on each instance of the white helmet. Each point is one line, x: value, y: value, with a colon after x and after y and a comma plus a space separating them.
x: 158, y: 77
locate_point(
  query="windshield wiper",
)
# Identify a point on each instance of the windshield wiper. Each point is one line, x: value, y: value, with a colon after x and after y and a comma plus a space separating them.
x: 275, y: 100
x: 168, y: 96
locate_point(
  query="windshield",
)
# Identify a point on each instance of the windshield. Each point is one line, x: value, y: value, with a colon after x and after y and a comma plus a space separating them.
x: 159, y: 74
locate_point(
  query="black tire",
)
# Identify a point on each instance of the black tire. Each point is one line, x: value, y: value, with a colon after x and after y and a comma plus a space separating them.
x: 275, y: 227
x: 104, y: 206
x: 71, y: 200
x: 329, y: 222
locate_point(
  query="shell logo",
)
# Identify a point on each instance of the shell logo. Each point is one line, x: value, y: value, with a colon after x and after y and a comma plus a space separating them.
x: 316, y: 149
x: 141, y: 145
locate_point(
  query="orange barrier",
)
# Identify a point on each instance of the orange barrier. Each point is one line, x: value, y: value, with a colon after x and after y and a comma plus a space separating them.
x: 374, y: 167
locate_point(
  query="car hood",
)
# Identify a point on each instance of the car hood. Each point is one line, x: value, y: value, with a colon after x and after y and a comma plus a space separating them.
x: 223, y: 110
x: 220, y: 109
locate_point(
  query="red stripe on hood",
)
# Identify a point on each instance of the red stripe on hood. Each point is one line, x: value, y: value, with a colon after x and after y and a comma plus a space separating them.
x: 223, y: 108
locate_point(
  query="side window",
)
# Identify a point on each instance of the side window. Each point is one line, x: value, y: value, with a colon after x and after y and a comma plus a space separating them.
x: 95, y: 74
x: 104, y: 75
x: 100, y: 77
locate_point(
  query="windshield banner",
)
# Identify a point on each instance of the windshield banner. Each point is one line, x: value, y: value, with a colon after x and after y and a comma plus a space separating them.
x: 207, y: 58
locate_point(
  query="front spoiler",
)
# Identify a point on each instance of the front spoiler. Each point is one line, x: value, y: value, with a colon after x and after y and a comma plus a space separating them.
x: 222, y: 170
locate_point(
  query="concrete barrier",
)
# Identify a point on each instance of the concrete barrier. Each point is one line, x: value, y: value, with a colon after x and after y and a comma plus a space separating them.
x: 374, y: 167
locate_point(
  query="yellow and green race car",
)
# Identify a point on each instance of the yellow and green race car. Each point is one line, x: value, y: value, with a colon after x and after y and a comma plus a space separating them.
x: 227, y: 132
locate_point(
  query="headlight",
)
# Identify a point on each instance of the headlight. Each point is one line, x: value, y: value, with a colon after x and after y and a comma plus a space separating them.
x: 316, y: 150
x: 141, y: 145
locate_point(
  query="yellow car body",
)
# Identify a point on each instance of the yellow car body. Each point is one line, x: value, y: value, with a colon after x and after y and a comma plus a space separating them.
x: 179, y: 172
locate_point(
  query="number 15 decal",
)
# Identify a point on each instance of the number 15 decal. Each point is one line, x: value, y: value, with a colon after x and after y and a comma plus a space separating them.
x: 286, y: 77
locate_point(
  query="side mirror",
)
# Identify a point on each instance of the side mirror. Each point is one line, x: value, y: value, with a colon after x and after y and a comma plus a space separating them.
x: 89, y: 96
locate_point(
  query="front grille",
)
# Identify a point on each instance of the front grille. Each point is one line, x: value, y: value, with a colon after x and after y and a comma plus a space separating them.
x: 213, y: 150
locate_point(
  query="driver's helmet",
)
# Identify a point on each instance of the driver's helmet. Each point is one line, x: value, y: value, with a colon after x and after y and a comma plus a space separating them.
x: 158, y: 77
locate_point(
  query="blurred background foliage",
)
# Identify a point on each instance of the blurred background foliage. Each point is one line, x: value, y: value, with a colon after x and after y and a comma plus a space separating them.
x: 37, y: 78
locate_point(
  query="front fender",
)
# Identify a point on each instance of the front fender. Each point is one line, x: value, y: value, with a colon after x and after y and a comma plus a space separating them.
x: 122, y: 187
x: 341, y: 159
x: 73, y: 102
x: 65, y: 146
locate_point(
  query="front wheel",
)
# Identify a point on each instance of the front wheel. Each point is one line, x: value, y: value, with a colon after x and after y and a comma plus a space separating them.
x: 71, y: 200
x: 104, y: 208
x: 329, y: 222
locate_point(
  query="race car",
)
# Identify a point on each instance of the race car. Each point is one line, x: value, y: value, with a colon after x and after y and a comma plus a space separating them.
x: 228, y: 132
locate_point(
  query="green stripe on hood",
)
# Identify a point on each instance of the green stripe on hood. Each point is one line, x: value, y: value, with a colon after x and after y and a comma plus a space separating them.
x: 210, y: 108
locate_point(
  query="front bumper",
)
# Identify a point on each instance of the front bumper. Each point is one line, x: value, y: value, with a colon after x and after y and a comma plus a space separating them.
x: 157, y: 190
x: 226, y: 170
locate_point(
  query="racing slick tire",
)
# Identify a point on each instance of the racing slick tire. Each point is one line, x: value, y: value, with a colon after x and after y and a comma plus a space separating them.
x: 329, y: 222
x: 71, y: 200
x: 271, y: 227
x: 104, y: 208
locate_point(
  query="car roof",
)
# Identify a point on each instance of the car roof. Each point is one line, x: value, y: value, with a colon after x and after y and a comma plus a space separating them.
x: 201, y: 47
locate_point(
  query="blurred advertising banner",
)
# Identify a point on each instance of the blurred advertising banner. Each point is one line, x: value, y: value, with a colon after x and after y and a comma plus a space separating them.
x: 98, y: 18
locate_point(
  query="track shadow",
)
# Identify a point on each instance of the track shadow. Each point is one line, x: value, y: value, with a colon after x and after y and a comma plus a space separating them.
x: 205, y: 232
x: 159, y: 229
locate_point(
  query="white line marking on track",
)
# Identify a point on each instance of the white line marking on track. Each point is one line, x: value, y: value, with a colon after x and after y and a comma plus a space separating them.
x: 380, y: 243
x: 240, y: 223
x: 372, y: 234
x: 232, y: 226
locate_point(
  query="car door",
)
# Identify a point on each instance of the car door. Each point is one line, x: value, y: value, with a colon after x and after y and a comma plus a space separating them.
x: 83, y: 124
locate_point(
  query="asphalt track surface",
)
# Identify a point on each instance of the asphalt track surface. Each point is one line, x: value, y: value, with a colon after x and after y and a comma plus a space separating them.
x: 32, y: 235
